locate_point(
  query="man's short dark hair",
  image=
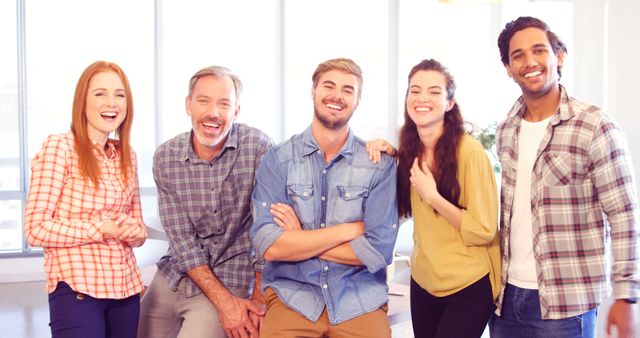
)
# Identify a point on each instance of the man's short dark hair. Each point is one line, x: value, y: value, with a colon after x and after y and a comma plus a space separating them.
x: 521, y: 23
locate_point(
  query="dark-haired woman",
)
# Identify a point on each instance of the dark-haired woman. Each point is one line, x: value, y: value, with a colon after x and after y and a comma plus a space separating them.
x: 446, y: 183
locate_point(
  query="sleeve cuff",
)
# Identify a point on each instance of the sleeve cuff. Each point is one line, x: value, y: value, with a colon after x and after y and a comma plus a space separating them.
x: 625, y: 290
x: 470, y: 238
x: 95, y: 231
x: 191, y: 259
x: 265, y: 237
x: 368, y: 255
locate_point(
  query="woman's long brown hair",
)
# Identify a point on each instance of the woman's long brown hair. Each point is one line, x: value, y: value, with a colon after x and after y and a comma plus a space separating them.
x: 445, y: 150
x: 87, y: 161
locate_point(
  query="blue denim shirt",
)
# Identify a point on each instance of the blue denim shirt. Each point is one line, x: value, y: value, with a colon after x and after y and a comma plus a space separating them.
x: 350, y: 188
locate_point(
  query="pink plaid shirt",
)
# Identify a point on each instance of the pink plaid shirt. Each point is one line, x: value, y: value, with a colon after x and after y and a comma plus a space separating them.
x: 582, y: 196
x: 64, y: 215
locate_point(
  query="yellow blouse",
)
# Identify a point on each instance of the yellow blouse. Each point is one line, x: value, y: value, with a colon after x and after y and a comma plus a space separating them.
x: 444, y: 259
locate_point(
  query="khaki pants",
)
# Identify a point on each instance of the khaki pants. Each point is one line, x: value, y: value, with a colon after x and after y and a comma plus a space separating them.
x: 168, y: 314
x: 281, y: 321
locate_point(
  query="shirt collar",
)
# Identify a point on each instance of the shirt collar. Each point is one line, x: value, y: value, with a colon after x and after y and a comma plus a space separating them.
x: 111, y: 145
x: 189, y: 154
x: 310, y: 145
x: 564, y: 112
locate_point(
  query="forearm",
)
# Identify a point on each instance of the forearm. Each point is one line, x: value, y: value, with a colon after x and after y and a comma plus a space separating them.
x: 61, y: 233
x: 446, y: 209
x: 342, y: 254
x: 210, y: 285
x: 298, y: 245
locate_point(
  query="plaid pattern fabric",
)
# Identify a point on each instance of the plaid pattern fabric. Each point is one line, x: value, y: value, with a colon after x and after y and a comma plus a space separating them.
x: 582, y: 195
x: 64, y: 215
x: 205, y: 207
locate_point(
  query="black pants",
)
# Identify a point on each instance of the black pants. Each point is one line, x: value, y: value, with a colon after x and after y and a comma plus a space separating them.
x: 463, y: 314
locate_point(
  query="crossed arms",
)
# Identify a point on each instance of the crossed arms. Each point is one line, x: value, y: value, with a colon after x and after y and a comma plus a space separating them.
x: 278, y: 236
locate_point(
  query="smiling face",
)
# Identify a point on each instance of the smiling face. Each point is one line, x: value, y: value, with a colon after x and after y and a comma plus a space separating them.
x: 532, y: 63
x: 335, y: 98
x: 427, y: 101
x: 106, y: 105
x: 213, y: 109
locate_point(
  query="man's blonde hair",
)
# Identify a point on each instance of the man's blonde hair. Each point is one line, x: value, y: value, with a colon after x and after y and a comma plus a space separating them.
x: 342, y: 64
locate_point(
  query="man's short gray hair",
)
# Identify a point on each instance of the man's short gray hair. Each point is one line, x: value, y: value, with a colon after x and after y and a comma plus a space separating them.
x: 219, y: 72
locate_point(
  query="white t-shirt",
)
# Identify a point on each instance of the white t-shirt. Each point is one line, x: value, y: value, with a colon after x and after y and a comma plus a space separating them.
x: 522, y: 263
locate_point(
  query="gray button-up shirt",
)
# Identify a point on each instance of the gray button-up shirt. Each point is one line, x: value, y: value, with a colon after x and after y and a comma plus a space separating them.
x: 205, y: 207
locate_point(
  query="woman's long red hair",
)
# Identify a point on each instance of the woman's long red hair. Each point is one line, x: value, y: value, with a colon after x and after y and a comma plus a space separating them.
x: 87, y: 161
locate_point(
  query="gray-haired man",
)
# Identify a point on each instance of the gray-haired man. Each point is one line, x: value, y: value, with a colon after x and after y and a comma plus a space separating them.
x: 205, y: 178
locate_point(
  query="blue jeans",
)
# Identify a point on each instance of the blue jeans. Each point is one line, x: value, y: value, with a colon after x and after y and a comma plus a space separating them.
x: 75, y: 315
x: 520, y: 317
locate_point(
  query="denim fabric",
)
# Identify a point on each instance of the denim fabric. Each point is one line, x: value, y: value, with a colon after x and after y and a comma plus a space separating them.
x: 349, y: 188
x: 521, y: 317
x: 76, y: 315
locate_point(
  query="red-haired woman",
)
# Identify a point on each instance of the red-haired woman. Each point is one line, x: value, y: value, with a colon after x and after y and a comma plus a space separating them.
x: 84, y: 209
x: 446, y: 183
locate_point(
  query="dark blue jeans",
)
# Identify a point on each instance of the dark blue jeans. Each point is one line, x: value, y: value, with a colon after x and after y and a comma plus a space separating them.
x: 75, y: 315
x: 520, y: 317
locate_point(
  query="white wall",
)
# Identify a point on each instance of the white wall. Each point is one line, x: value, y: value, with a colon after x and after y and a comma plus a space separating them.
x: 624, y: 73
x: 21, y: 269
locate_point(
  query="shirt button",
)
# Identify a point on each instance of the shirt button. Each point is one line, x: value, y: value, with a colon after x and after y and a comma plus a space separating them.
x: 305, y: 194
x: 324, y: 171
x: 347, y: 195
x: 324, y: 286
x: 323, y: 198
x: 326, y: 268
x: 264, y: 204
x: 394, y: 226
x: 210, y: 165
x: 322, y: 225
x: 215, y: 212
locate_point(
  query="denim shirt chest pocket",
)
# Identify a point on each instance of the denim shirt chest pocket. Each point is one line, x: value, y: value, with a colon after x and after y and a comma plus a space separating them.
x: 349, y: 203
x: 301, y: 197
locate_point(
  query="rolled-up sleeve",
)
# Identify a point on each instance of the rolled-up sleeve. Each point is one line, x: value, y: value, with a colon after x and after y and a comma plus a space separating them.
x: 270, y: 188
x: 375, y: 248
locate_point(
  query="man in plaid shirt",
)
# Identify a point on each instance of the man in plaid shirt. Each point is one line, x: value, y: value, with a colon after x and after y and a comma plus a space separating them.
x: 569, y: 202
x: 205, y: 178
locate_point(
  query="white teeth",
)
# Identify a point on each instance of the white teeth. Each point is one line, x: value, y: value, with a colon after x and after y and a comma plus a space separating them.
x: 109, y: 114
x: 211, y: 125
x: 532, y: 74
x: 423, y: 109
x: 334, y: 106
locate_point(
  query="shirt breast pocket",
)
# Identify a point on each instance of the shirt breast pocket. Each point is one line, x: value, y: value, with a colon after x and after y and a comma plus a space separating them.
x: 349, y: 206
x: 301, y: 196
x: 562, y: 168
